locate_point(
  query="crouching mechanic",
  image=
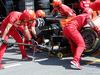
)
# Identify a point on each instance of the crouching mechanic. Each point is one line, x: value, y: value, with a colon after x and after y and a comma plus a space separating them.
x: 40, y: 14
x: 62, y: 8
x: 8, y: 27
x: 71, y: 32
x: 33, y: 28
x: 39, y: 21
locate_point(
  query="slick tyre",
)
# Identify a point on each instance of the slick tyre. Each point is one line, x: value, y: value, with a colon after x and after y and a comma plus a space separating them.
x: 42, y: 4
x: 91, y: 39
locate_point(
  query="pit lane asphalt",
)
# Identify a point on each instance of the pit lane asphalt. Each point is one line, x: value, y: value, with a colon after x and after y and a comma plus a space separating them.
x: 45, y: 65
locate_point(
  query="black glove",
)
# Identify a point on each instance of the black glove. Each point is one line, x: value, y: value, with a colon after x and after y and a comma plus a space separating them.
x: 3, y: 42
x: 33, y: 41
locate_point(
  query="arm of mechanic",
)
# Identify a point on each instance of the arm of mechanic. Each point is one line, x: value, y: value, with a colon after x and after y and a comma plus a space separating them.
x: 54, y: 10
x: 69, y: 15
x: 34, y: 32
x: 92, y: 25
x: 26, y: 32
x: 6, y: 31
x: 33, y: 29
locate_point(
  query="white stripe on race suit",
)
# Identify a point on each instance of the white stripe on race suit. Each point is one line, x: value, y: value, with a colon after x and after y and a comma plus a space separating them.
x: 15, y: 25
x: 13, y: 19
x: 84, y: 1
x: 86, y: 5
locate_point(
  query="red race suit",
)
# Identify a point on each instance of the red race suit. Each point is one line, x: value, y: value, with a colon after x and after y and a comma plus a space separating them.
x: 71, y: 32
x: 65, y: 10
x: 95, y: 6
x: 15, y: 19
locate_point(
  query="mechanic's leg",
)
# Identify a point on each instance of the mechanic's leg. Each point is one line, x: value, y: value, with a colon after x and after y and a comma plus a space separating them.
x: 18, y: 39
x: 26, y: 41
x: 2, y: 48
x: 78, y: 39
x: 72, y: 44
x: 79, y: 50
x: 74, y: 34
x: 73, y: 48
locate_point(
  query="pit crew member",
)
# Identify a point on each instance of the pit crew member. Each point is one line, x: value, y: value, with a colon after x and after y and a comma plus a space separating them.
x: 39, y: 21
x: 62, y: 8
x: 8, y: 27
x: 71, y: 32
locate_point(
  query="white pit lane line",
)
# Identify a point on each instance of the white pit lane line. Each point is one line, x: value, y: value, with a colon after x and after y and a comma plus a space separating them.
x: 12, y: 65
x: 18, y: 64
x: 43, y: 59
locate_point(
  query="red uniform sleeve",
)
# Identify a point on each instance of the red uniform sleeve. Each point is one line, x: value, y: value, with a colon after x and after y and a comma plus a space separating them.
x: 12, y: 18
x: 33, y: 24
x: 55, y: 9
x: 69, y: 10
x: 65, y: 10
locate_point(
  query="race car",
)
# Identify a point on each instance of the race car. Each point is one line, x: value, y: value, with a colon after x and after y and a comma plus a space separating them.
x: 53, y: 32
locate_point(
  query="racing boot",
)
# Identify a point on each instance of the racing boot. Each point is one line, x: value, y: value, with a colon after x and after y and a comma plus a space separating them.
x: 76, y: 64
x: 1, y: 67
x: 26, y: 58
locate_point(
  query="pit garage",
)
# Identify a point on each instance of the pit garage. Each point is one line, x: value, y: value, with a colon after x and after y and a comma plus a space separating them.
x: 51, y: 32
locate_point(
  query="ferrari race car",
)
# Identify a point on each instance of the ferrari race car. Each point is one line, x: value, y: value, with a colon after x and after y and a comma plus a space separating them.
x: 51, y: 35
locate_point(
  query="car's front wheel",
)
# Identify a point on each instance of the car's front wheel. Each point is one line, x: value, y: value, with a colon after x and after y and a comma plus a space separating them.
x: 91, y: 39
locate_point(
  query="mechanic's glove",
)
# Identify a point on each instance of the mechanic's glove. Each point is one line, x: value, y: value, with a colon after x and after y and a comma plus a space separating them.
x: 3, y: 42
x: 96, y: 28
x: 39, y: 40
x: 33, y: 41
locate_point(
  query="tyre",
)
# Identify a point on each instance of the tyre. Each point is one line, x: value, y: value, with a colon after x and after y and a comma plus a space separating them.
x: 91, y: 40
x: 42, y: 4
x: 26, y: 4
